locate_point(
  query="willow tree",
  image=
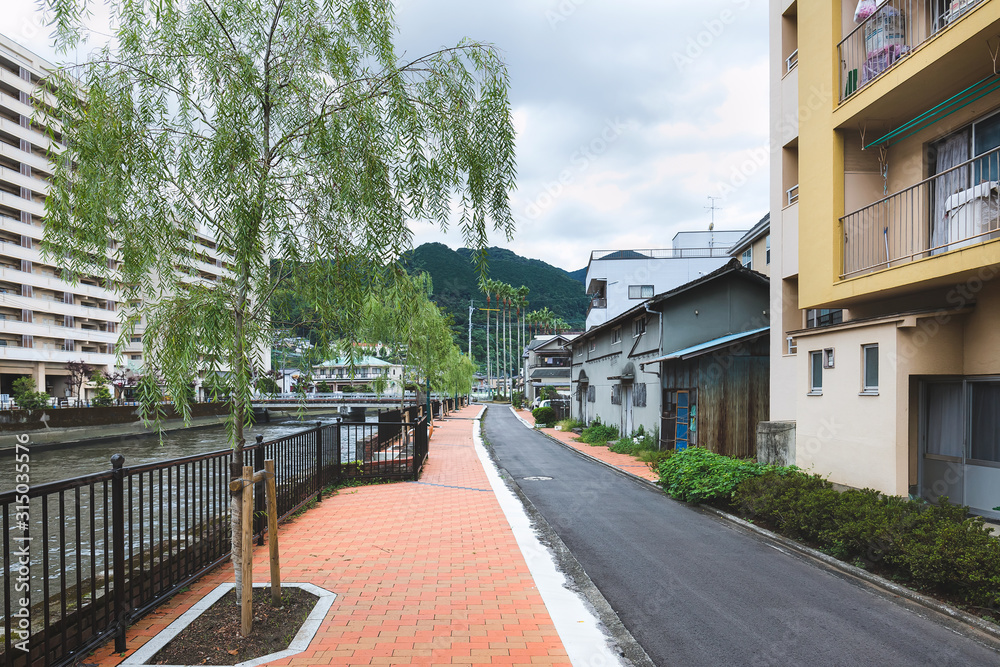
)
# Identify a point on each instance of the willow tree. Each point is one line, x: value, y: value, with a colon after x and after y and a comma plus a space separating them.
x: 283, y: 130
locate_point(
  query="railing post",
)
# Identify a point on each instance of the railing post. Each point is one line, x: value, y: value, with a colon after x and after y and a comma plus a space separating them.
x: 118, y: 549
x: 259, y: 518
x: 336, y: 448
x: 319, y: 462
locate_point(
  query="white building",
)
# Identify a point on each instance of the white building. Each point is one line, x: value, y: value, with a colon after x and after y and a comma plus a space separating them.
x: 339, y: 375
x: 618, y: 280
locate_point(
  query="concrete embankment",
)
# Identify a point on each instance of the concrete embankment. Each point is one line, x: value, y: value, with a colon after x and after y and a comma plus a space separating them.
x: 54, y: 438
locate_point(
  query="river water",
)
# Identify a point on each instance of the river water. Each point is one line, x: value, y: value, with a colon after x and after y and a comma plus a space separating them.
x: 58, y: 464
x: 70, y: 532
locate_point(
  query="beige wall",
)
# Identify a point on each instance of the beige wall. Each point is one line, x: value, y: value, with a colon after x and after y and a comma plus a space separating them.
x: 850, y: 438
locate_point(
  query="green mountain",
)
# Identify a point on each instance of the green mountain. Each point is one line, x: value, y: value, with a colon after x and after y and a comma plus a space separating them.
x: 456, y: 282
x: 579, y: 274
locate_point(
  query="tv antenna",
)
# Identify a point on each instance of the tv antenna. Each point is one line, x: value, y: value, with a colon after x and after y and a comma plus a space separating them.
x: 713, y: 208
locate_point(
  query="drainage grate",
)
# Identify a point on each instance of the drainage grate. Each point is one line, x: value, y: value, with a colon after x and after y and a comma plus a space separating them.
x: 537, y: 478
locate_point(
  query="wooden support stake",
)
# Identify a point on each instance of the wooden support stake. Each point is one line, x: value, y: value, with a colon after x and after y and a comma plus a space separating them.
x: 272, y: 531
x: 247, y: 564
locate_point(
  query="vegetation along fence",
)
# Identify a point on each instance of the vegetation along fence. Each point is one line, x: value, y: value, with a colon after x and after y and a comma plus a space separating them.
x: 85, y: 557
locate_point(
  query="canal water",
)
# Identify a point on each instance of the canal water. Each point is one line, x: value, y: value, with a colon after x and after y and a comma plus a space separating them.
x: 58, y: 464
x: 83, y: 534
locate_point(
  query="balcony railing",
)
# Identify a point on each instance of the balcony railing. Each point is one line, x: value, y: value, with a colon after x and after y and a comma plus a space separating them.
x: 948, y: 211
x: 892, y: 32
x: 719, y: 250
x: 791, y: 61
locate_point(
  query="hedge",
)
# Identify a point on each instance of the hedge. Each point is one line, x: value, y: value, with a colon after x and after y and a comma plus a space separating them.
x: 933, y: 546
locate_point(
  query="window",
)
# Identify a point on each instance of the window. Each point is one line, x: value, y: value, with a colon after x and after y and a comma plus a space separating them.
x: 767, y: 249
x: 747, y: 258
x: 579, y: 350
x: 135, y: 357
x: 593, y: 344
x: 616, y: 335
x: 869, y: 369
x: 823, y: 317
x: 640, y: 291
x: 816, y: 372
x: 638, y: 327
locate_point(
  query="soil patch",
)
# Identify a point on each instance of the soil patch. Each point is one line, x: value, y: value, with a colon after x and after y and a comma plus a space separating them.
x: 214, y: 637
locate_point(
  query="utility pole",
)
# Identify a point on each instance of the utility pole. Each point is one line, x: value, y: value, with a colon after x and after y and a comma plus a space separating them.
x: 471, y: 309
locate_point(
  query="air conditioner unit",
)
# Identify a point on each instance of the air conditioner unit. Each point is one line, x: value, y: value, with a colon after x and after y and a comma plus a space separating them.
x: 971, y: 213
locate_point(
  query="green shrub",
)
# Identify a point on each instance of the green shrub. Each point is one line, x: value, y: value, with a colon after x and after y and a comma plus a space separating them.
x: 23, y: 391
x: 630, y: 446
x: 654, y: 458
x: 697, y: 475
x: 798, y: 505
x: 932, y: 545
x: 599, y: 434
x: 569, y: 424
x: 102, y: 397
x: 517, y: 399
x: 544, y: 415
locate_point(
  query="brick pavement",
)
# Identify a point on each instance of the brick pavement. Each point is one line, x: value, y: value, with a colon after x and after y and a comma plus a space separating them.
x: 425, y: 572
x: 623, y: 462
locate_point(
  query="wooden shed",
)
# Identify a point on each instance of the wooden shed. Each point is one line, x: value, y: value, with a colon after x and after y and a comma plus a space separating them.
x: 714, y: 393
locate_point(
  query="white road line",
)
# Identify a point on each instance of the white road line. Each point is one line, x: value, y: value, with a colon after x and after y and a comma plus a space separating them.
x: 580, y: 630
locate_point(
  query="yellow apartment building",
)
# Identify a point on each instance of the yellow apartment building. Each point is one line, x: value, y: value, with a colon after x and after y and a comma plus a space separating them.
x: 885, y: 225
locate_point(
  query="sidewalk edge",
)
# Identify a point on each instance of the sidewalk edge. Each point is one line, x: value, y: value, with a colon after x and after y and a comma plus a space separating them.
x: 984, y: 626
x: 579, y: 627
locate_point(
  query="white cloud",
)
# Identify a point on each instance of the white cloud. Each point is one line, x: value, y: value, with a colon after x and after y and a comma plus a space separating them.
x: 686, y: 81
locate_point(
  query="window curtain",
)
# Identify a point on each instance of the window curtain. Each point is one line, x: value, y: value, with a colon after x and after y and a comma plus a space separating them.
x: 985, y: 421
x: 945, y: 419
x: 950, y: 152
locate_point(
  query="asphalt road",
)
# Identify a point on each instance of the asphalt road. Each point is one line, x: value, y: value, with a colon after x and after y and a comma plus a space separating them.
x: 696, y: 590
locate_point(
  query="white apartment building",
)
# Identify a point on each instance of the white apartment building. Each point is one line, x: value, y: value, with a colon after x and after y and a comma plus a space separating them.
x: 46, y: 321
x: 618, y: 280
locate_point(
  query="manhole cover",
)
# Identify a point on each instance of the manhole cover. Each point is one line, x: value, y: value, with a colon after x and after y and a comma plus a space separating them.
x: 537, y: 478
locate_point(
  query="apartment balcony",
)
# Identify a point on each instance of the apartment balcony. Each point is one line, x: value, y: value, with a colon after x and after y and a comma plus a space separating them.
x: 49, y: 282
x: 890, y: 34
x: 80, y: 334
x: 956, y: 209
x: 54, y: 354
x: 597, y: 303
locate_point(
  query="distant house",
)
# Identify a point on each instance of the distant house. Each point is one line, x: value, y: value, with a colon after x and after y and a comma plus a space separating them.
x: 547, y: 364
x: 690, y: 363
x: 339, y: 376
x: 618, y: 280
x: 754, y: 248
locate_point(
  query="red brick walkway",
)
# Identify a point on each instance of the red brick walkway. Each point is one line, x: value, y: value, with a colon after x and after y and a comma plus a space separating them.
x: 623, y: 462
x: 426, y: 573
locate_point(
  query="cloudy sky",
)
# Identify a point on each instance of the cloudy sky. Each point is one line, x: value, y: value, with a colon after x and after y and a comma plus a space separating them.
x: 629, y: 114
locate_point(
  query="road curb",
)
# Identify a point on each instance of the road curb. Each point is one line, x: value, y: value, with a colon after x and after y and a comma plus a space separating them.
x: 990, y: 629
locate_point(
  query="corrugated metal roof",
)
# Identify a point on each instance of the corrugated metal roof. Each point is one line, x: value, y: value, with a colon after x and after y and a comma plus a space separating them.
x: 708, y: 346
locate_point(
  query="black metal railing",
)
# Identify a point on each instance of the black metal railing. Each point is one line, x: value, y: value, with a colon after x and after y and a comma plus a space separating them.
x: 85, y: 557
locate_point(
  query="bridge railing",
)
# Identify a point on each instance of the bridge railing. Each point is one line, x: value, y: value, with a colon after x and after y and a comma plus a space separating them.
x: 84, y: 557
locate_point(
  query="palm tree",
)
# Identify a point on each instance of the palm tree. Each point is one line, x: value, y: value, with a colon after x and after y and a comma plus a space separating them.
x: 522, y: 305
x: 485, y: 287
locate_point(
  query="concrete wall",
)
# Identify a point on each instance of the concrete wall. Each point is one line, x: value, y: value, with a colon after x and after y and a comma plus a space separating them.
x: 30, y: 420
x: 776, y: 443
